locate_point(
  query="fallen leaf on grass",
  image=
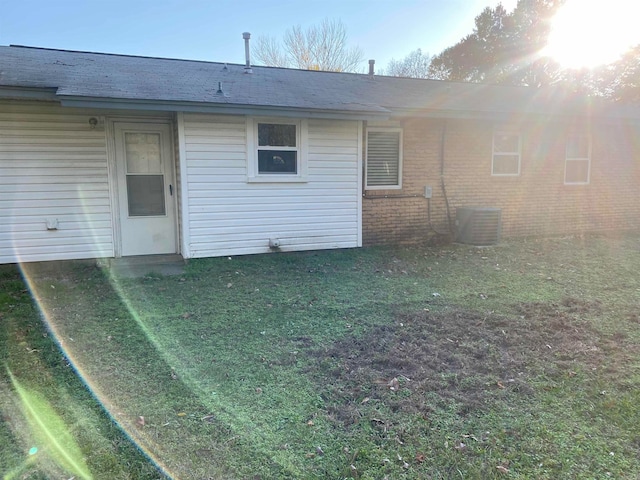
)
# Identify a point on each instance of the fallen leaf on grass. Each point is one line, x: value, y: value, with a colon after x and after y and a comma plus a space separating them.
x: 502, y: 469
x: 182, y: 414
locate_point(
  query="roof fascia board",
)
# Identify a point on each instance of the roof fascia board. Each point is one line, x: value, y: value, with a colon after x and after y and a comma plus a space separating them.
x: 27, y: 93
x: 508, y: 116
x: 190, y: 107
x: 453, y: 114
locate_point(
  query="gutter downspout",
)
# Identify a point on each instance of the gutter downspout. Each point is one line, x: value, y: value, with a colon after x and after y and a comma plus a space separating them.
x: 442, y: 182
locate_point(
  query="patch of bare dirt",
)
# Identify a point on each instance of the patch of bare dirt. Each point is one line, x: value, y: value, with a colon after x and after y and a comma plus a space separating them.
x: 457, y: 356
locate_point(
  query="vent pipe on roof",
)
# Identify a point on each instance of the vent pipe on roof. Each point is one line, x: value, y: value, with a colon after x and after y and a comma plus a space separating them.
x: 247, y: 66
x: 371, y: 64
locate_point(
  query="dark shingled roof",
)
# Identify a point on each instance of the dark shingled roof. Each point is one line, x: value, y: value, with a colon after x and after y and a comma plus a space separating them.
x: 94, y: 76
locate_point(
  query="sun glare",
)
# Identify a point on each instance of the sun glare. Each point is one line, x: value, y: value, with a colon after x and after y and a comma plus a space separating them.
x: 588, y: 33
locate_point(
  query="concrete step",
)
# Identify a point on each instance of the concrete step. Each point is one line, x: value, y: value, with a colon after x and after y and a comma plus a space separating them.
x: 142, y: 265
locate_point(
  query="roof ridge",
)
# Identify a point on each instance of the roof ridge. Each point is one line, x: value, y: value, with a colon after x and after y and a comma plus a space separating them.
x: 210, y: 62
x: 123, y: 55
x: 270, y: 67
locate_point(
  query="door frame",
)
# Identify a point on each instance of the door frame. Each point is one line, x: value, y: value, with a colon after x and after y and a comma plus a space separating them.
x: 114, y: 188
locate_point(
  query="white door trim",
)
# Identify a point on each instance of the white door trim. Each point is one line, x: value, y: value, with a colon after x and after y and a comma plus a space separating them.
x: 113, y: 171
x: 184, y: 219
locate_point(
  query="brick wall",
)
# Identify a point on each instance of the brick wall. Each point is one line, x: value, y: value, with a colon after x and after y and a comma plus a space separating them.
x: 537, y: 202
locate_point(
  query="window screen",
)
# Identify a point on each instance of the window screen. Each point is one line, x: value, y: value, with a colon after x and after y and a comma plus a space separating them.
x: 384, y: 158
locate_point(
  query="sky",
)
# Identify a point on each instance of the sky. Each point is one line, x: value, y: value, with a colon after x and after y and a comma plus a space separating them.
x: 212, y: 30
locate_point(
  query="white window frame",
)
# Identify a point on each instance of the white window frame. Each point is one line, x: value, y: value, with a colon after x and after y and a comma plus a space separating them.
x: 495, y: 154
x: 302, y: 135
x: 568, y: 159
x: 397, y: 186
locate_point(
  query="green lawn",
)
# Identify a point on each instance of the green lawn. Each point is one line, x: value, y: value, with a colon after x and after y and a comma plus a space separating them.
x: 515, y: 361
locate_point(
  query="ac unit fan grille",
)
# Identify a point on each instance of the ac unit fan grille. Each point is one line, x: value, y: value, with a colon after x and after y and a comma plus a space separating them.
x: 478, y: 225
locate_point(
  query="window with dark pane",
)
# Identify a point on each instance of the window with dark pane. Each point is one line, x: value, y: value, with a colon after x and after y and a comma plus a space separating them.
x: 276, y: 135
x: 277, y: 148
x: 277, y: 161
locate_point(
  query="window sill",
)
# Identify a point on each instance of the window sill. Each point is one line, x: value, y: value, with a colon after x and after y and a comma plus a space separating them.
x: 277, y: 179
x: 383, y: 187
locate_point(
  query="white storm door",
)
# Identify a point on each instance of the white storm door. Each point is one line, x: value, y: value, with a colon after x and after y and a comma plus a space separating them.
x: 144, y: 165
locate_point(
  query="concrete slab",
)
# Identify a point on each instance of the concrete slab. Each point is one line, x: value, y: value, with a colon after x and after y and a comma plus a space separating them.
x: 126, y: 267
x: 140, y: 266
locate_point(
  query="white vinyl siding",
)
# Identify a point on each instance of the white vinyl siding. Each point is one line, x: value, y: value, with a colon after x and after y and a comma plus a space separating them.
x: 384, y: 158
x: 53, y: 168
x: 228, y: 216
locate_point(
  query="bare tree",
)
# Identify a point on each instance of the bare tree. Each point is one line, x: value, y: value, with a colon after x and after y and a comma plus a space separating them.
x: 266, y: 50
x: 320, y: 47
x: 414, y: 65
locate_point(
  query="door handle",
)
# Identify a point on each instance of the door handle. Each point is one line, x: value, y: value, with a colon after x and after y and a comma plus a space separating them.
x: 171, y: 190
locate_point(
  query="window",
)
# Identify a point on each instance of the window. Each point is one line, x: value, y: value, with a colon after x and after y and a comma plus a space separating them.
x: 145, y: 178
x: 384, y: 158
x: 506, y: 154
x: 276, y: 152
x: 577, y: 163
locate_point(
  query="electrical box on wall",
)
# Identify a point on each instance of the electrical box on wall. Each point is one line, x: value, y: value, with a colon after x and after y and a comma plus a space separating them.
x: 427, y: 192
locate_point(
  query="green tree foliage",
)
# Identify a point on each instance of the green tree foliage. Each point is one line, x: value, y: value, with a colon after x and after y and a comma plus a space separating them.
x: 504, y: 48
x: 621, y: 79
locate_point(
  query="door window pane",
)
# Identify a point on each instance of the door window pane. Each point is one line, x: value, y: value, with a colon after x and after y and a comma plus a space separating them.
x: 146, y: 195
x: 143, y: 152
